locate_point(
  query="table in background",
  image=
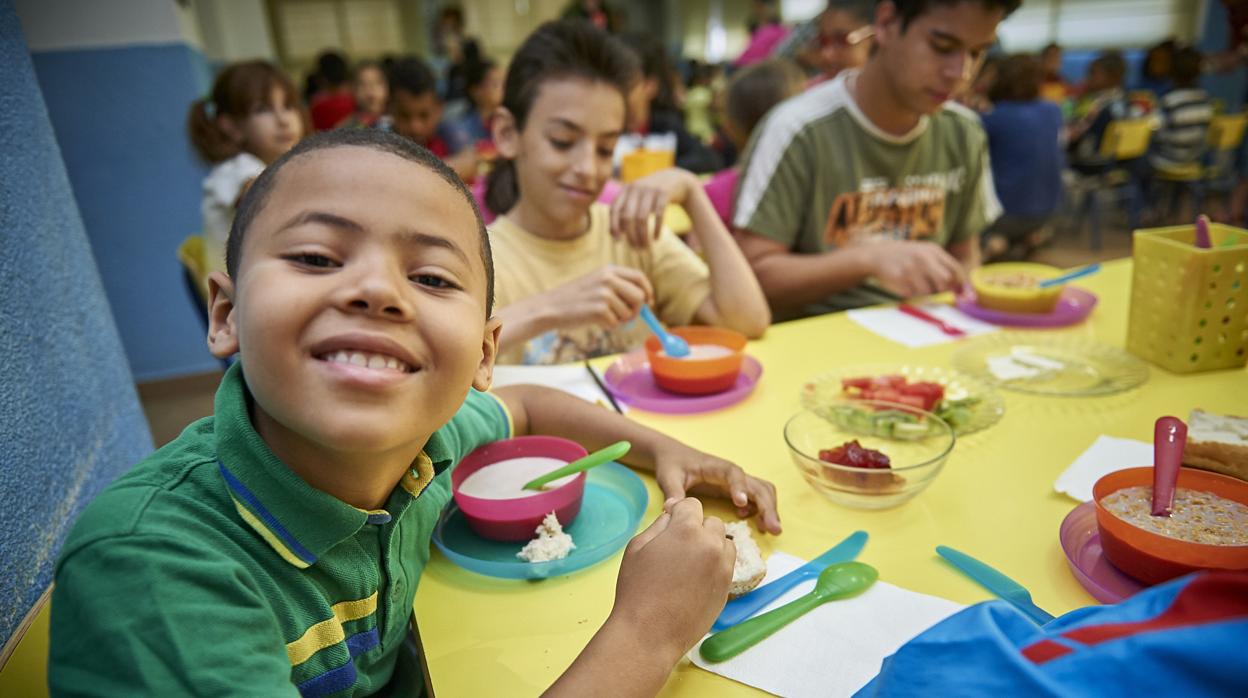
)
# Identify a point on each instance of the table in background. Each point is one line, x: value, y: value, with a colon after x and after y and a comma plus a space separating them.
x: 994, y: 499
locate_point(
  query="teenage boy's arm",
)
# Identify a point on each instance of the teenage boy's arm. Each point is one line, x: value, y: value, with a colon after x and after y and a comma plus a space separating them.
x: 677, y: 467
x: 792, y: 280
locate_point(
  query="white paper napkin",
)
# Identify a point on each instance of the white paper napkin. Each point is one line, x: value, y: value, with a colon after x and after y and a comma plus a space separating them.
x: 1103, y: 457
x: 570, y: 378
x: 891, y: 323
x: 835, y: 649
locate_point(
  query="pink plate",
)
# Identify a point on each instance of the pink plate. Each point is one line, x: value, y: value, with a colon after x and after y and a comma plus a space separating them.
x: 1074, y: 305
x: 1081, y: 541
x: 630, y: 381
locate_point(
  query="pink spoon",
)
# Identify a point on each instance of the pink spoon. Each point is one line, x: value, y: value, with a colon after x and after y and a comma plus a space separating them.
x: 1169, y: 437
x: 1202, y: 232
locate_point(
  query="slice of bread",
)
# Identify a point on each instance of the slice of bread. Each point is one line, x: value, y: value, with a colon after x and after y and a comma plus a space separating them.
x: 749, y: 569
x: 1217, y: 442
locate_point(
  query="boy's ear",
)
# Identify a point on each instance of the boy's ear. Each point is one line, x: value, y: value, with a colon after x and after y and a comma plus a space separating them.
x: 885, y: 16
x: 506, y: 136
x: 222, y: 328
x: 489, y: 352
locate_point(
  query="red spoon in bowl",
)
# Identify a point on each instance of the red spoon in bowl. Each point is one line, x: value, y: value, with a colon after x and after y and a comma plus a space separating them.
x: 1169, y: 437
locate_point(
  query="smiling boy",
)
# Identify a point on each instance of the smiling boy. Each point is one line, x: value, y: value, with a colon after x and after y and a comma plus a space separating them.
x: 875, y: 185
x: 275, y: 548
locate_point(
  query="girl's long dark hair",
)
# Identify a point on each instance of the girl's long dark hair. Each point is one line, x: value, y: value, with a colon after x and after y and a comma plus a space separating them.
x: 555, y: 51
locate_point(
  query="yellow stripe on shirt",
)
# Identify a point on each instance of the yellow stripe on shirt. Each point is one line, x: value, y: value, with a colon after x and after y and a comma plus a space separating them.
x: 329, y: 631
x: 268, y: 536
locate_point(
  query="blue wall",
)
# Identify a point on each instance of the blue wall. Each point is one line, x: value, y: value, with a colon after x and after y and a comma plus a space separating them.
x: 119, y: 115
x: 1215, y: 38
x: 69, y: 418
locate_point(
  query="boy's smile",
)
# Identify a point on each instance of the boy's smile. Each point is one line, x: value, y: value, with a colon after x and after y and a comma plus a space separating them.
x: 359, y: 309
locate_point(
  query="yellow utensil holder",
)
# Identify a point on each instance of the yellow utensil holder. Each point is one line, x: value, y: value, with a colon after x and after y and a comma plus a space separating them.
x: 1189, y: 306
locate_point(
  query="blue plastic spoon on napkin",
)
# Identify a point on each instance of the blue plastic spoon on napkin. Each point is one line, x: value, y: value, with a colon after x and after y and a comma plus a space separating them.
x: 1005, y: 588
x: 747, y: 605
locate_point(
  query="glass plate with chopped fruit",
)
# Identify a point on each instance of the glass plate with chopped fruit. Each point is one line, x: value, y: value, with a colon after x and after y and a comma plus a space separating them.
x: 966, y: 403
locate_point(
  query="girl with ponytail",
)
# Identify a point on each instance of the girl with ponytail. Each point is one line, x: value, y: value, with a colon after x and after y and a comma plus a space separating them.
x: 250, y: 118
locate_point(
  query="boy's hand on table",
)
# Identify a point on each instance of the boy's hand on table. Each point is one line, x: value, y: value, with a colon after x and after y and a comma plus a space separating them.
x: 911, y: 268
x: 637, y: 212
x: 674, y: 578
x: 607, y: 297
x: 685, y: 471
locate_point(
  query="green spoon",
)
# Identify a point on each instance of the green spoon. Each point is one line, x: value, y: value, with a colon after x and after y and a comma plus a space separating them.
x: 615, y: 451
x: 840, y: 581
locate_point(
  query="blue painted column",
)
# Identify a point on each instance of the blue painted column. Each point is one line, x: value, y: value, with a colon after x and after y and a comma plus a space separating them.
x: 118, y: 78
x: 69, y: 418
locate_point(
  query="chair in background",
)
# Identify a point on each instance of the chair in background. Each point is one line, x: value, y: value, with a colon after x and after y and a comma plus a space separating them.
x: 1123, y: 147
x: 1214, y: 172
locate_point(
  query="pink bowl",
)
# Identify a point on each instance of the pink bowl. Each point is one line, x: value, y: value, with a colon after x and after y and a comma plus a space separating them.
x: 515, y: 519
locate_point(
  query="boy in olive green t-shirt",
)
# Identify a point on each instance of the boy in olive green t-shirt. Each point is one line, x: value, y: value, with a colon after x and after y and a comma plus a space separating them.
x: 275, y: 548
x: 874, y: 185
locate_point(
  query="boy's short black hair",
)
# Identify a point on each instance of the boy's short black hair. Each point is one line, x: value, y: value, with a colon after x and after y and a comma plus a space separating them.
x: 258, y: 194
x: 413, y: 76
x: 1185, y: 70
x: 909, y: 10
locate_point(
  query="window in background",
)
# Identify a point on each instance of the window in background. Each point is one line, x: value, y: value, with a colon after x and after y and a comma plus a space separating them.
x: 1098, y: 24
x: 359, y: 28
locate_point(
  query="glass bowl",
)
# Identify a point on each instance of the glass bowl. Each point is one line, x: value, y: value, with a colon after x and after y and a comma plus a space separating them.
x: 916, y: 442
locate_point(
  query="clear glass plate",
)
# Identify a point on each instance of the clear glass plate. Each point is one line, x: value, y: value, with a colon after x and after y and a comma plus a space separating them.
x: 1052, y: 365
x: 986, y: 410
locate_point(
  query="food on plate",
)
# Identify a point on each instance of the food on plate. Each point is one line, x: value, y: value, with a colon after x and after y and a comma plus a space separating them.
x: 506, y: 479
x: 876, y: 475
x: 1217, y: 442
x: 551, y: 543
x: 1197, y: 517
x: 924, y: 395
x: 749, y: 568
x: 701, y: 352
x: 1015, y: 279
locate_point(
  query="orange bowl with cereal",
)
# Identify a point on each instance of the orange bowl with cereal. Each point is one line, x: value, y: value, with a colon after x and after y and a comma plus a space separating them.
x: 1208, y: 529
x: 713, y: 364
x: 1014, y: 287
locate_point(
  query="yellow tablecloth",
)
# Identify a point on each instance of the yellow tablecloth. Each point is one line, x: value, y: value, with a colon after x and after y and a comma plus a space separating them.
x: 995, y: 500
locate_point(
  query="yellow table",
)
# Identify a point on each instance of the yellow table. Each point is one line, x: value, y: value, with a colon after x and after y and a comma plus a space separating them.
x: 994, y: 499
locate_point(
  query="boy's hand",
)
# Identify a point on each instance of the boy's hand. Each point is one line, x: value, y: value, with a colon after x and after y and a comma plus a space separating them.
x: 910, y: 269
x: 637, y: 212
x: 674, y: 579
x: 607, y: 297
x: 685, y: 470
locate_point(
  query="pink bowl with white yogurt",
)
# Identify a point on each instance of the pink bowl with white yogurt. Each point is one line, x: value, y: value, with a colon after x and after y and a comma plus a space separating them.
x: 487, y: 486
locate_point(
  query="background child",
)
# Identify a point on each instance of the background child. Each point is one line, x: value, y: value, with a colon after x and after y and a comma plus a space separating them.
x: 573, y: 274
x: 752, y: 92
x: 415, y: 112
x: 278, y: 545
x: 252, y: 116
x: 333, y: 100
x: 371, y: 91
x: 470, y: 128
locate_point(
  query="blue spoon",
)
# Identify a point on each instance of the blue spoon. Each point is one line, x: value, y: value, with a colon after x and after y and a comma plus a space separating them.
x: 672, y: 345
x: 746, y: 605
x: 1070, y: 276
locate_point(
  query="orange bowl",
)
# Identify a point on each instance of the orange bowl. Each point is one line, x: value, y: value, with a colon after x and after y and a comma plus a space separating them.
x: 698, y: 376
x: 1153, y: 558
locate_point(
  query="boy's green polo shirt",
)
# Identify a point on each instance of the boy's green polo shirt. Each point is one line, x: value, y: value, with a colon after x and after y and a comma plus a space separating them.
x: 212, y: 569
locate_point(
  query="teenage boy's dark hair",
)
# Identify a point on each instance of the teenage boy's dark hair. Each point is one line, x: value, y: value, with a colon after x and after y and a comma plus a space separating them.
x: 413, y: 76
x: 909, y: 10
x: 1018, y: 79
x: 256, y: 197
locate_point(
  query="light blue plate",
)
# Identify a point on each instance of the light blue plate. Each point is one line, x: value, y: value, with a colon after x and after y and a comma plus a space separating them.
x: 615, y: 499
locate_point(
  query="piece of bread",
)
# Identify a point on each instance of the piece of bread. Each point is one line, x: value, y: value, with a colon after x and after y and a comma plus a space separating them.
x: 1217, y: 442
x: 749, y: 569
